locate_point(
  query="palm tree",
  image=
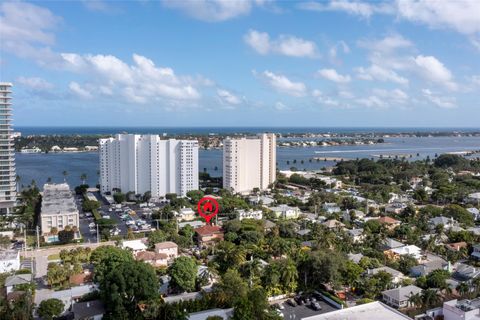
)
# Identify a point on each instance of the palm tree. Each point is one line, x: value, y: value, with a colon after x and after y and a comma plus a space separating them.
x: 430, y: 298
x: 289, y: 275
x: 83, y: 177
x: 415, y: 299
x: 65, y: 174
x: 463, y: 288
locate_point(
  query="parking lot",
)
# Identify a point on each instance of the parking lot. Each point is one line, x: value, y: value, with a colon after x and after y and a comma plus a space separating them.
x: 127, y: 216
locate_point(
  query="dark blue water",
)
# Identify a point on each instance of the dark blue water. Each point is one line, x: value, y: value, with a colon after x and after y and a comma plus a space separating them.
x: 41, y: 166
x: 224, y: 130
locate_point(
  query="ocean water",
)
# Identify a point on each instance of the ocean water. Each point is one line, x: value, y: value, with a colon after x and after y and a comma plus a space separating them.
x: 40, y: 167
x: 224, y: 130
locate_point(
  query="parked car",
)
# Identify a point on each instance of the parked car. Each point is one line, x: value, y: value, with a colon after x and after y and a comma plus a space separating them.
x: 291, y: 303
x: 298, y: 299
x: 315, y: 306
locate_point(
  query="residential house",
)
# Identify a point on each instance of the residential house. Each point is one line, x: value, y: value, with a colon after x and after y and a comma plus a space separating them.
x: 356, y: 234
x: 411, y: 250
x: 447, y: 223
x: 456, y: 246
x: 250, y: 214
x: 357, y: 214
x: 390, y: 243
x: 475, y: 213
x: 476, y: 251
x: 368, y: 311
x: 331, y: 208
x: 303, y: 232
x: 9, y: 260
x: 431, y: 263
x: 194, y: 224
x: 465, y: 272
x: 213, y: 313
x: 90, y: 310
x: 333, y: 224
x: 261, y: 200
x: 208, y: 235
x: 167, y: 247
x: 185, y: 214
x: 456, y: 310
x: 268, y: 225
x: 134, y: 245
x: 398, y: 297
x: 12, y: 281
x: 153, y: 258
x: 285, y: 212
x: 389, y: 222
x: 397, y: 276
x: 395, y: 208
x: 474, y: 198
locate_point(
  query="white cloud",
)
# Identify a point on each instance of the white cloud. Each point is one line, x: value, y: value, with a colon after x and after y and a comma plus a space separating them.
x: 392, y: 97
x: 79, y: 90
x: 363, y: 9
x: 281, y: 106
x: 228, y: 98
x: 462, y: 16
x: 375, y: 72
x: 98, y: 6
x: 140, y: 82
x: 287, y: 45
x: 372, y: 102
x: 333, y: 51
x: 440, y: 101
x: 388, y: 44
x: 332, y: 75
x: 282, y: 84
x: 433, y: 70
x: 26, y: 30
x: 213, y: 10
x: 35, y: 83
x: 323, y: 99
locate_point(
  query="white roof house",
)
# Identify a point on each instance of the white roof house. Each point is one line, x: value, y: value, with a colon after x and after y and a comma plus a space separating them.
x: 135, y: 245
x: 368, y: 311
x: 412, y: 250
x: 398, y: 297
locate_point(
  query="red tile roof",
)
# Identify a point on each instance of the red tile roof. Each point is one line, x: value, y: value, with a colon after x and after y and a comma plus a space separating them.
x: 208, y: 230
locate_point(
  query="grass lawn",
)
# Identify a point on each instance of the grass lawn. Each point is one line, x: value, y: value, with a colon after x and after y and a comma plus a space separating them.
x: 55, y: 256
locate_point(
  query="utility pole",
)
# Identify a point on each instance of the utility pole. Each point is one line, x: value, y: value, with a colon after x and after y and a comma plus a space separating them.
x: 38, y: 238
x: 25, y: 241
x: 98, y: 235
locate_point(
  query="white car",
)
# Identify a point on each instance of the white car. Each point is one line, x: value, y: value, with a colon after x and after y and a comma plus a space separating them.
x: 106, y: 216
x: 130, y: 222
x: 91, y: 225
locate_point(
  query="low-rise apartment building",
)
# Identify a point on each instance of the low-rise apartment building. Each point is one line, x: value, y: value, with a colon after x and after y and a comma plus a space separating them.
x: 58, y: 209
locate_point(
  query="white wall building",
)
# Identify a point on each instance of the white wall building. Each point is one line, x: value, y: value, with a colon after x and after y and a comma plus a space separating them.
x: 457, y: 310
x: 249, y: 163
x: 58, y: 208
x: 285, y: 212
x: 9, y: 260
x: 8, y: 194
x: 250, y: 214
x: 142, y: 163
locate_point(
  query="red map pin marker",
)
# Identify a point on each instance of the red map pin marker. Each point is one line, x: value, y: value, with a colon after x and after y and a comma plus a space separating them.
x: 207, y: 208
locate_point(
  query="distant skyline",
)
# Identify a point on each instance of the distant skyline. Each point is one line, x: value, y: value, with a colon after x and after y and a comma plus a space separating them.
x: 404, y: 63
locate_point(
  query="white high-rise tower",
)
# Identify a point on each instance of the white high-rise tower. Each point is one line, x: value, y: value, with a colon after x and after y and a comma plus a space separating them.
x: 8, y: 193
x: 142, y: 163
x: 249, y: 163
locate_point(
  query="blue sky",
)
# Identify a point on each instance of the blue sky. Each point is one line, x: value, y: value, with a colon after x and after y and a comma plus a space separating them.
x: 242, y: 63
